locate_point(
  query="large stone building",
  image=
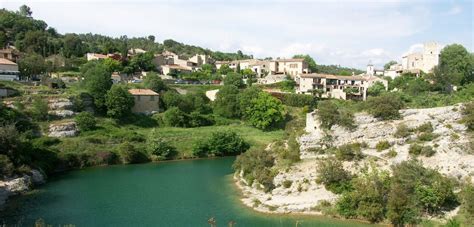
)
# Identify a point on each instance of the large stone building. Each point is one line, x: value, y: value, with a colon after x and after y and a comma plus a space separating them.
x: 262, y: 68
x: 168, y: 61
x: 339, y: 87
x: 424, y: 61
x: 10, y: 54
x: 146, y: 101
x: 8, y: 70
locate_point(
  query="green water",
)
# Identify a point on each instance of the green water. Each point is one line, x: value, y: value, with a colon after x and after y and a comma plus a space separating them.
x: 184, y: 193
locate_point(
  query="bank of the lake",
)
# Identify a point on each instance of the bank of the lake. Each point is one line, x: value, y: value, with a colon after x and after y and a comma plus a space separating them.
x: 185, y: 193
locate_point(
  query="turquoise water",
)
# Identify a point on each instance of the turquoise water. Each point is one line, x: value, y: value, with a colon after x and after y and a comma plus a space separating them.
x: 182, y: 193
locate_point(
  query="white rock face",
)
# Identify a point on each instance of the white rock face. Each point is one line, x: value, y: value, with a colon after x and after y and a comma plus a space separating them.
x: 65, y: 129
x: 61, y: 113
x: 304, y: 193
x: 19, y: 185
x: 211, y: 94
x: 60, y: 104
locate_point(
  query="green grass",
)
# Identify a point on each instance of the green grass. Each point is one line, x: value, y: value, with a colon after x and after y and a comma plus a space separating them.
x: 110, y: 134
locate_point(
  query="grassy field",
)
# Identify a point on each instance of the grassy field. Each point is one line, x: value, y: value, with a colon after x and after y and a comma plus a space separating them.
x: 109, y: 135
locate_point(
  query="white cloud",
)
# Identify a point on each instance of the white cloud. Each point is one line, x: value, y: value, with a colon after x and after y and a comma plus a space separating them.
x: 418, y: 47
x: 454, y: 10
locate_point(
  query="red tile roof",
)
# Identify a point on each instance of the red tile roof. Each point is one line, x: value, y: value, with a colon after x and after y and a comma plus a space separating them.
x: 142, y: 92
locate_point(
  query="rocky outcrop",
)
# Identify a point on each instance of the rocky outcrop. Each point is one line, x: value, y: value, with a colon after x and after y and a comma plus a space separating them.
x: 19, y: 185
x: 296, y: 190
x: 61, y: 107
x: 63, y: 129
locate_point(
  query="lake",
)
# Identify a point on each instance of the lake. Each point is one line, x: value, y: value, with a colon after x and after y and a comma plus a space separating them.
x: 178, y: 193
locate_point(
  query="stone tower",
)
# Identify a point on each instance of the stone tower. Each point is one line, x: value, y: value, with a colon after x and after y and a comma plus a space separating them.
x: 370, y: 69
x: 431, y: 52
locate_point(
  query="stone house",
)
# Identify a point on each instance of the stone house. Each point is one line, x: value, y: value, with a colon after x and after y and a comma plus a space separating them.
x: 146, y: 101
x: 424, y: 61
x: 95, y: 56
x: 8, y: 70
x: 290, y: 67
x: 338, y: 87
x: 10, y: 54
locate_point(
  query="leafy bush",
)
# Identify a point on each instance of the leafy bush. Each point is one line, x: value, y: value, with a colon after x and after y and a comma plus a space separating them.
x: 402, y: 131
x: 385, y: 106
x: 427, y: 151
x: 298, y: 100
x: 391, y: 153
x: 256, y: 164
x: 287, y: 183
x: 427, y: 136
x: 349, y: 152
x: 332, y: 174
x: 174, y: 117
x: 227, y: 102
x: 85, y: 121
x: 159, y: 147
x: 39, y: 110
x: 119, y: 102
x: 329, y: 115
x: 221, y: 143
x: 415, y: 149
x: 129, y: 154
x: 426, y: 127
x: 468, y: 115
x: 382, y: 145
x: 6, y: 167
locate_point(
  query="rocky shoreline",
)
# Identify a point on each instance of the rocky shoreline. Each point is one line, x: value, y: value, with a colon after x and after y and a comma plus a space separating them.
x: 19, y: 185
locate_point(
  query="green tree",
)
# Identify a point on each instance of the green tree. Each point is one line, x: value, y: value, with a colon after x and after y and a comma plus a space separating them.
x: 112, y: 65
x: 97, y: 81
x: 129, y: 154
x: 234, y: 79
x: 331, y: 173
x: 376, y: 89
x: 468, y: 115
x: 119, y: 102
x: 25, y: 11
x: 390, y: 63
x: 154, y: 82
x: 329, y: 115
x: 455, y: 67
x: 224, y: 69
x: 72, y: 46
x: 174, y: 117
x: 32, y: 65
x: 308, y: 59
x: 385, y: 106
x: 85, y: 121
x: 467, y: 203
x: 369, y: 198
x: 264, y: 111
x: 227, y: 102
x: 142, y: 62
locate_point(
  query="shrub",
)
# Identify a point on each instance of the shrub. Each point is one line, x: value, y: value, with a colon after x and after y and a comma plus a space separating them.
x: 39, y: 110
x: 427, y: 151
x: 174, y: 117
x: 6, y: 167
x: 349, y: 152
x: 391, y: 153
x: 426, y: 136
x: 468, y: 115
x: 287, y: 183
x: 129, y: 154
x: 426, y: 127
x: 382, y: 145
x: 298, y: 100
x: 332, y: 174
x: 329, y: 115
x: 158, y: 147
x: 85, y: 121
x: 415, y: 149
x: 221, y: 143
x: 103, y: 158
x: 257, y: 164
x: 386, y: 106
x: 402, y: 131
x: 264, y: 111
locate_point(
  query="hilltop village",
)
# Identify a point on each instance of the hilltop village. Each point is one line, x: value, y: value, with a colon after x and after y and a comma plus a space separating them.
x: 392, y: 145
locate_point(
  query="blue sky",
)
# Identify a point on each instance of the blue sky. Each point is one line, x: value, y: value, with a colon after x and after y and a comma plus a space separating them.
x: 347, y: 32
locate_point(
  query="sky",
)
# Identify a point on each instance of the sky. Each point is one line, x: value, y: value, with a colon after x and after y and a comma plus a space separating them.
x: 347, y: 33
